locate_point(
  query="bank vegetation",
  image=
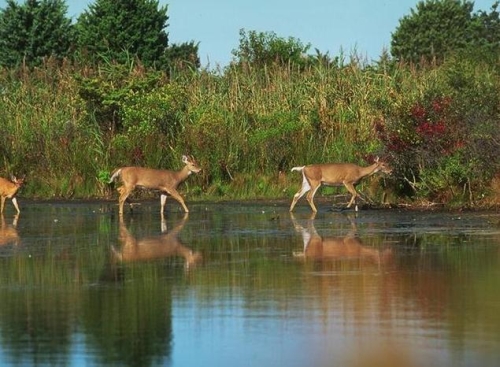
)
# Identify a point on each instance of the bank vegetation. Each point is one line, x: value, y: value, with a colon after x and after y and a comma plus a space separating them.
x: 67, y: 126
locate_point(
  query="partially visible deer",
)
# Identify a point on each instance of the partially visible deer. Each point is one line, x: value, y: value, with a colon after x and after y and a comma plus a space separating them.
x: 164, y: 180
x: 348, y: 247
x: 8, y: 233
x: 8, y: 189
x: 155, y: 247
x: 334, y: 174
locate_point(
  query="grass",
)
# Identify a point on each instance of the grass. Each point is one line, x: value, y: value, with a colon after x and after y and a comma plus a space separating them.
x: 66, y: 126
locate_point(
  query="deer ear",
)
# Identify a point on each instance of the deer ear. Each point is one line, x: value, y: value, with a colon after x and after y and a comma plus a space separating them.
x: 377, y: 159
x: 184, y: 159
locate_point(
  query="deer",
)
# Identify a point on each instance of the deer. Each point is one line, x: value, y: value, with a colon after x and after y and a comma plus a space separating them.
x: 334, y: 174
x: 167, y: 244
x: 8, y: 190
x: 348, y: 247
x: 164, y: 180
x: 8, y: 233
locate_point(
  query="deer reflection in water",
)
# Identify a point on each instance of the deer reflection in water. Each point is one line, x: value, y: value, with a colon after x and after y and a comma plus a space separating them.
x: 168, y: 244
x: 348, y: 247
x: 8, y: 233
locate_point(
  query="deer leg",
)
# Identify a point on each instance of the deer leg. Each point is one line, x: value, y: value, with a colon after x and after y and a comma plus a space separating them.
x: 179, y: 198
x: 124, y: 193
x: 305, y: 188
x: 163, y: 223
x: 352, y: 190
x: 16, y: 219
x: 310, y: 196
x: 2, y: 204
x: 163, y: 201
x: 14, y: 202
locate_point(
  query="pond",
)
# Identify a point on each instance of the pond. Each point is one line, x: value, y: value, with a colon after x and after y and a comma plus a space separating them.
x: 248, y: 284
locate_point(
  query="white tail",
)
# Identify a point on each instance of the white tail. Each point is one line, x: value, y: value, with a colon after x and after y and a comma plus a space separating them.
x: 116, y: 174
x: 164, y: 180
x: 334, y: 174
x: 8, y: 189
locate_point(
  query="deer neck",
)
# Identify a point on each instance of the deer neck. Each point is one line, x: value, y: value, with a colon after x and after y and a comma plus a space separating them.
x: 182, y: 250
x: 189, y: 255
x: 182, y: 175
x: 369, y: 170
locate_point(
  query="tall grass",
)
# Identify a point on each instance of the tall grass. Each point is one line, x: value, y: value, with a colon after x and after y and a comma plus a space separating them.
x: 67, y: 126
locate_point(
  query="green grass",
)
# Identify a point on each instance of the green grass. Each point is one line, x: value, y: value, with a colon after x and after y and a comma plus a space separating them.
x: 66, y: 127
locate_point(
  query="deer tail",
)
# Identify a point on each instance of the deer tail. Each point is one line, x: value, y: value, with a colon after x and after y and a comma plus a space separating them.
x: 299, y: 169
x: 116, y: 173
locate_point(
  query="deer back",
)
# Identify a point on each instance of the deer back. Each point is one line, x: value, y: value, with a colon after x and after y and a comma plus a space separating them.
x: 337, y: 173
x: 149, y: 177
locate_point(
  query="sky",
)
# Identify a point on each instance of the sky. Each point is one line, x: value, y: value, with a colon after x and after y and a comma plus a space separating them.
x: 331, y: 26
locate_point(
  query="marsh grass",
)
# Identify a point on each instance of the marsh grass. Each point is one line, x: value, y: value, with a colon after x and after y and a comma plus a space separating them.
x: 67, y: 126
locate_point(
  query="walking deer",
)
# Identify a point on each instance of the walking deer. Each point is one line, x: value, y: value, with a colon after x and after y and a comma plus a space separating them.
x: 334, y: 174
x: 164, y: 180
x: 8, y: 189
x: 167, y: 244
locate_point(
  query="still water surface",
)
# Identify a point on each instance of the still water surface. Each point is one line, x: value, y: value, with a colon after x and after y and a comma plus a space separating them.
x: 248, y: 285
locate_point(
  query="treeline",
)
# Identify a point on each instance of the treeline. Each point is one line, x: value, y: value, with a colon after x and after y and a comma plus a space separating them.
x: 36, y: 30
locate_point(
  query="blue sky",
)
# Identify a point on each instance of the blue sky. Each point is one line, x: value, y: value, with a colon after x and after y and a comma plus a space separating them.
x: 329, y: 25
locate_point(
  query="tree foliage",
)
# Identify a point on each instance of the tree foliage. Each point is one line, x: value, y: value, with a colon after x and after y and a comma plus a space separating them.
x: 182, y: 56
x: 116, y: 30
x: 33, y: 31
x: 265, y: 48
x: 486, y: 28
x: 438, y: 28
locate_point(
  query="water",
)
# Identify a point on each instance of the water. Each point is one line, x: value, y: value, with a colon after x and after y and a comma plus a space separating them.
x: 236, y: 284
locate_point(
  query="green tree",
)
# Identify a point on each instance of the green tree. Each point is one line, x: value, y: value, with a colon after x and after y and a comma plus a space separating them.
x: 118, y: 30
x: 265, y: 48
x: 486, y: 28
x: 438, y: 28
x: 184, y: 55
x: 33, y: 31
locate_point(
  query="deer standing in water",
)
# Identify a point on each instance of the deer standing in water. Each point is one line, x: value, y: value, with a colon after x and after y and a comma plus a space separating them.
x: 8, y: 189
x: 164, y: 180
x: 155, y: 247
x: 334, y: 174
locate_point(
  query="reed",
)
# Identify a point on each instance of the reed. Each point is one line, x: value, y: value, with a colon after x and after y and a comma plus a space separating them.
x: 67, y: 126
